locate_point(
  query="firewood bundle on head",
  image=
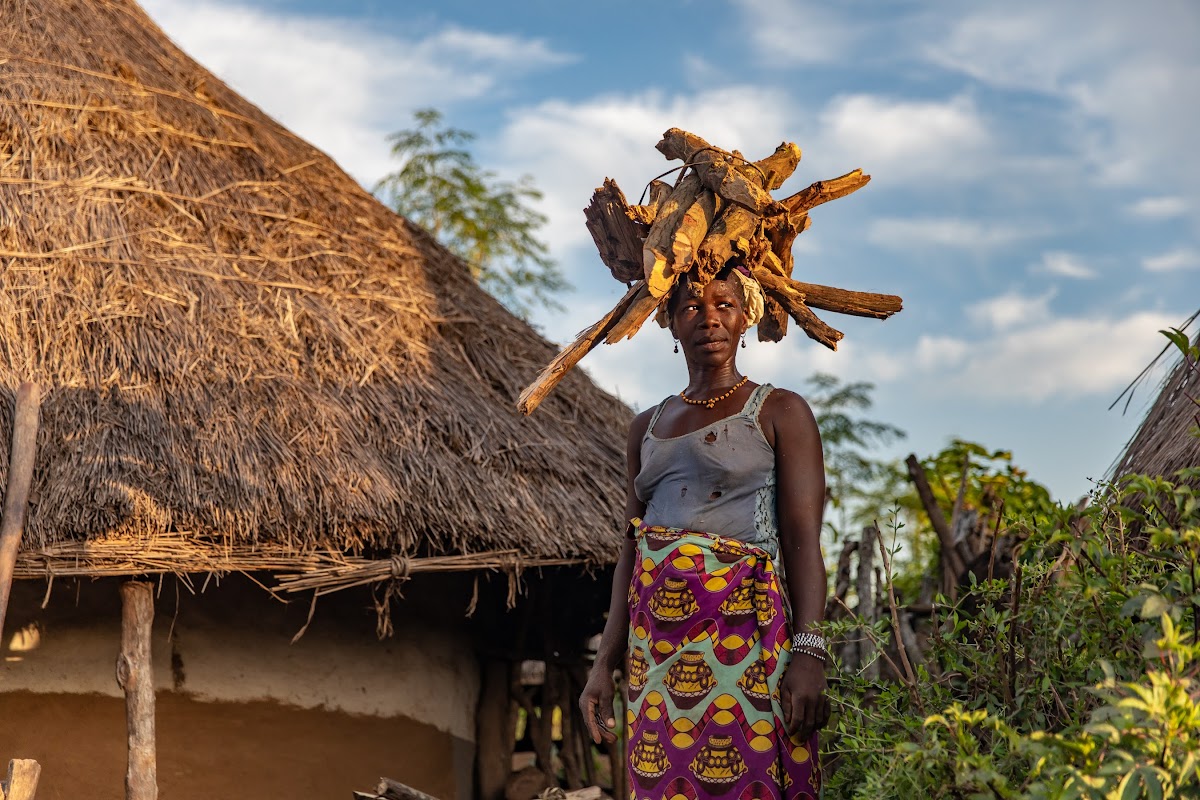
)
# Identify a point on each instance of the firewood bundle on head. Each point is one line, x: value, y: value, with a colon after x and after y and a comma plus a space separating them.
x: 718, y: 213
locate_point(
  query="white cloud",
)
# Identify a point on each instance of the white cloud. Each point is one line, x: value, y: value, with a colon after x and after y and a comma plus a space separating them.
x: 1180, y: 258
x: 1160, y: 207
x: 1064, y: 265
x: 1067, y: 357
x: 1117, y: 68
x: 899, y: 139
x: 341, y: 85
x: 797, y: 32
x: 1009, y: 310
x: 923, y: 232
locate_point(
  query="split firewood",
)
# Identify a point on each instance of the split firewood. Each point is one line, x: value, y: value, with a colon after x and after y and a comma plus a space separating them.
x: 735, y: 224
x: 640, y: 310
x: 719, y: 214
x: 665, y: 253
x: 569, y: 356
x: 611, y: 221
x: 782, y: 231
x: 823, y: 191
x: 770, y: 173
x: 792, y: 301
x: 659, y: 192
x: 842, y: 301
x: 845, y: 301
x: 773, y: 325
x: 780, y: 165
x: 723, y: 174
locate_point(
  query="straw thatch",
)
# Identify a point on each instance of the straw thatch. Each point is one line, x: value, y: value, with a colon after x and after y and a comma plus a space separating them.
x: 1162, y: 444
x: 242, y: 347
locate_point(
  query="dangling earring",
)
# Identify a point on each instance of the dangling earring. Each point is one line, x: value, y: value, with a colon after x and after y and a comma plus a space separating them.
x: 743, y: 341
x: 676, y: 345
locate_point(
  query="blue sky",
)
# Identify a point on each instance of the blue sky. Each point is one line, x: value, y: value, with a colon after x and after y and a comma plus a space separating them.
x: 1035, y: 182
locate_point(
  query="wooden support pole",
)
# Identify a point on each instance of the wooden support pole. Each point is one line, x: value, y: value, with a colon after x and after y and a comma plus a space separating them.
x: 135, y: 675
x: 495, y: 730
x: 23, y: 774
x: 16, y: 495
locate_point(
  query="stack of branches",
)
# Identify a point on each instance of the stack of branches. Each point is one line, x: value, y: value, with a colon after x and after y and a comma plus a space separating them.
x: 718, y: 213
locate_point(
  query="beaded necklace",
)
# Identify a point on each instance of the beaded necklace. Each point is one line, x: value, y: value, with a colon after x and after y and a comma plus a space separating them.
x: 712, y: 401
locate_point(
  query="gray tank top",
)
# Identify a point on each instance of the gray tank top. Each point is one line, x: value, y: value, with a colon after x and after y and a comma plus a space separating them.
x: 719, y: 479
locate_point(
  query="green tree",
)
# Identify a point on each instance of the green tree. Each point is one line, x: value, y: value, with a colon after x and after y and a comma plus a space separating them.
x: 861, y: 486
x: 490, y: 223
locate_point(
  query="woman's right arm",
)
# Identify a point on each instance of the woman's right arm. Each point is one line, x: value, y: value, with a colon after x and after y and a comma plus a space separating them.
x: 596, y: 701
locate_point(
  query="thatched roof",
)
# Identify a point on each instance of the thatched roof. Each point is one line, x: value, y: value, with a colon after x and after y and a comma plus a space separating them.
x: 240, y: 345
x: 1162, y: 444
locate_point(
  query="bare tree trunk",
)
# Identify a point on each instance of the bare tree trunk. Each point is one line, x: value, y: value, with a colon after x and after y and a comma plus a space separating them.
x: 135, y: 675
x: 16, y: 496
x: 952, y: 565
x: 867, y: 609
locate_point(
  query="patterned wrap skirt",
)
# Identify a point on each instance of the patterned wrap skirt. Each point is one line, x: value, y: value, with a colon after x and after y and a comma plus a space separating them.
x: 708, y: 643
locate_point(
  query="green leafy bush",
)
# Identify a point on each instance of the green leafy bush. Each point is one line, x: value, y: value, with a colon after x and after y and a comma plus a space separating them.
x: 1075, y: 678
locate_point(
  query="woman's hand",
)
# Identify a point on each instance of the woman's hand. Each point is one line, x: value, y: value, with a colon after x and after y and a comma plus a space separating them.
x: 596, y: 703
x: 802, y: 695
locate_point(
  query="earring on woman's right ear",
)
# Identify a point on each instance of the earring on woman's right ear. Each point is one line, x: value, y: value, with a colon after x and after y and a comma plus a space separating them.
x: 676, y: 345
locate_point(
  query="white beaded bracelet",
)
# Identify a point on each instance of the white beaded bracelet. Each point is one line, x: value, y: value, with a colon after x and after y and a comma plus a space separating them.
x: 811, y: 644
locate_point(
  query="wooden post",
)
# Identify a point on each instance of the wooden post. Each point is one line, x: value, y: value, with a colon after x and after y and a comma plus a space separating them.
x: 23, y: 774
x: 136, y: 676
x: 495, y: 730
x: 16, y: 496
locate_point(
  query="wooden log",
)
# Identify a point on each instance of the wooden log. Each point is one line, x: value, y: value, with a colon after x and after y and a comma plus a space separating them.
x: 729, y: 176
x: 952, y: 566
x: 781, y: 232
x: 22, y: 781
x: 647, y: 213
x: 611, y: 221
x: 823, y: 191
x: 793, y: 301
x: 495, y: 730
x: 640, y: 310
x: 659, y: 262
x: 773, y: 325
x: 569, y: 356
x: 780, y: 165
x: 845, y: 301
x: 728, y: 239
x: 135, y: 675
x: 830, y: 298
x: 389, y: 789
x: 22, y: 453
x: 723, y: 178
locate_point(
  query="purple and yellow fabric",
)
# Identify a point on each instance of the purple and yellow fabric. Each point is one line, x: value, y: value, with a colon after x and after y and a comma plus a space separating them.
x: 709, y: 640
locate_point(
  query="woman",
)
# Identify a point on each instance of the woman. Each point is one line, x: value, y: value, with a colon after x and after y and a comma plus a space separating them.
x: 725, y: 490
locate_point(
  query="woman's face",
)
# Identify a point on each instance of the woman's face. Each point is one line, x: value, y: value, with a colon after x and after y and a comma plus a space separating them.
x: 708, y: 326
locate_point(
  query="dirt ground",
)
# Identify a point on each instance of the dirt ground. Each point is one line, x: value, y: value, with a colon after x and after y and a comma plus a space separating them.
x: 228, y: 750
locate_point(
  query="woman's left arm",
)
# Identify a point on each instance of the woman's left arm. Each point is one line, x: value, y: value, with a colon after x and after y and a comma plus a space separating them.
x: 800, y: 490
